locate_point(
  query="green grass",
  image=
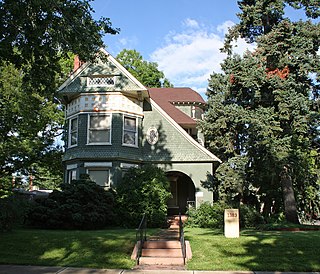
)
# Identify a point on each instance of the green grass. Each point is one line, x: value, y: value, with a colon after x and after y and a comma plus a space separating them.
x: 254, y: 250
x: 93, y: 249
x: 288, y: 226
x: 111, y: 248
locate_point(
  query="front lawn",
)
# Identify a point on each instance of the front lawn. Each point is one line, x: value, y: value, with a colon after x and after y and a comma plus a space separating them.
x: 111, y: 248
x: 254, y: 250
x: 93, y: 249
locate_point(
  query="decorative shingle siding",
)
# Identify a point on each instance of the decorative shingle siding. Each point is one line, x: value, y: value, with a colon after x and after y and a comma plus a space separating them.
x: 185, y: 109
x: 104, y: 152
x: 79, y: 84
x: 173, y: 145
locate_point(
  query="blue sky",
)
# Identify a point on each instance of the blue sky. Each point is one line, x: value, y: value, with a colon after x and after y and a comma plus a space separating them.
x: 182, y: 36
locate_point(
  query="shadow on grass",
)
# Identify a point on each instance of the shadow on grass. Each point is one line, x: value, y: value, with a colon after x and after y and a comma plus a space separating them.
x: 93, y: 249
x: 254, y: 250
x: 283, y: 251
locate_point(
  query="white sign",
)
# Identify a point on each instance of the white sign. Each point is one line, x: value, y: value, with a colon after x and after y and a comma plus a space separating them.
x: 231, y: 223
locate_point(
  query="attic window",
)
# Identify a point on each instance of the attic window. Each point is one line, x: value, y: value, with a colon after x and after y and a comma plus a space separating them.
x: 101, y: 81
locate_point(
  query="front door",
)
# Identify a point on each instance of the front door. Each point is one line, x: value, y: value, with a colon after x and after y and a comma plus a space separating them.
x: 173, y: 201
x: 182, y: 190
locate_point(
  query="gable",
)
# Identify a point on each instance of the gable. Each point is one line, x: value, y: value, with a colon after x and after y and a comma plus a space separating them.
x: 106, y: 75
x: 174, y: 143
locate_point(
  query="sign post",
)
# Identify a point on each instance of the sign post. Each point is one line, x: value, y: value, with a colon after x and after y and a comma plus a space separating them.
x: 231, y: 223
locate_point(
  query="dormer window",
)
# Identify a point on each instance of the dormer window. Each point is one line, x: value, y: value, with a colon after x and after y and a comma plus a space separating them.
x: 101, y: 81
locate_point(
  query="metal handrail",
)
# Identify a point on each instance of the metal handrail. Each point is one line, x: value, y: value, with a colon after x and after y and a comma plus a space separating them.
x: 141, y: 236
x: 182, y: 240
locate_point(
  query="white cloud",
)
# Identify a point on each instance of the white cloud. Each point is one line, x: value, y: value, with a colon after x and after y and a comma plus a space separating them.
x: 191, y: 23
x: 224, y: 27
x: 121, y: 42
x: 190, y: 56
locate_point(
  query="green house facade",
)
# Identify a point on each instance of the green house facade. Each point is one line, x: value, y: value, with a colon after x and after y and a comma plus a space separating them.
x: 114, y: 123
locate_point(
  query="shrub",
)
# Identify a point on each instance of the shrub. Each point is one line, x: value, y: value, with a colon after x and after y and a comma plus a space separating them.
x: 82, y: 204
x: 207, y: 215
x: 12, y: 211
x: 7, y: 214
x: 250, y: 217
x: 143, y: 190
x: 212, y: 216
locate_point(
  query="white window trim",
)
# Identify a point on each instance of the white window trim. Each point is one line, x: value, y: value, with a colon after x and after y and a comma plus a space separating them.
x: 98, y: 164
x: 127, y: 165
x: 101, y: 85
x: 70, y: 175
x: 88, y: 129
x: 100, y: 169
x: 72, y: 166
x: 69, y: 132
x: 136, y: 133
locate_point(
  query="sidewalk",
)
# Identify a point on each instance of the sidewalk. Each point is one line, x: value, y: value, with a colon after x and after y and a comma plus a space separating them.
x: 22, y: 269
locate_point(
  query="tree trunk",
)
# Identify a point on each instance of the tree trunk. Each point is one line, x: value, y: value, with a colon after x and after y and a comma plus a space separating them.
x: 289, y: 200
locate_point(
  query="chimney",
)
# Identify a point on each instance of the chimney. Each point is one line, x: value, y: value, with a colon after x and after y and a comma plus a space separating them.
x: 76, y: 63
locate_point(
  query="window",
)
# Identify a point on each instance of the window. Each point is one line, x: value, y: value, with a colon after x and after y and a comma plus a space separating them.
x: 71, y: 172
x: 101, y: 81
x: 130, y: 131
x: 125, y: 167
x: 73, y: 132
x: 100, y: 176
x: 72, y: 175
x: 99, y: 129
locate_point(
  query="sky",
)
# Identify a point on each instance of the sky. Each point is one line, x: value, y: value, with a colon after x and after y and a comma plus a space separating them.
x: 183, y: 37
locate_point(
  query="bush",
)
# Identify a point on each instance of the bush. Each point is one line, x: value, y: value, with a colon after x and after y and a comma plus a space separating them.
x: 12, y: 211
x: 250, y: 217
x: 212, y: 216
x: 81, y: 204
x: 143, y: 190
x: 207, y: 215
x: 7, y: 214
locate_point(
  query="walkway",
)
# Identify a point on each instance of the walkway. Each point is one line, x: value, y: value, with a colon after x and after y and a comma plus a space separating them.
x: 163, y: 251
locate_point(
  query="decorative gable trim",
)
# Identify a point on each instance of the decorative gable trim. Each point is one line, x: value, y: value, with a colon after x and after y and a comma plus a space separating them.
x: 74, y: 75
x: 124, y: 71
x: 142, y: 91
x: 183, y: 132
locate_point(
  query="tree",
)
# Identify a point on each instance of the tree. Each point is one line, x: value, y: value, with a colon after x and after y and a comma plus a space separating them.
x: 25, y: 119
x: 37, y: 41
x: 276, y: 89
x: 143, y: 190
x: 146, y: 72
x: 35, y: 35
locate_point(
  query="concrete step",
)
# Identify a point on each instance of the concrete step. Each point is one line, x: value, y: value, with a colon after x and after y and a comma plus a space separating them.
x: 160, y: 261
x: 161, y: 244
x: 169, y: 234
x: 165, y: 252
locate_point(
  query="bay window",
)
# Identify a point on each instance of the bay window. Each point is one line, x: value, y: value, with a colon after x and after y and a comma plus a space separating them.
x: 99, y: 129
x: 130, y: 131
x: 73, y: 132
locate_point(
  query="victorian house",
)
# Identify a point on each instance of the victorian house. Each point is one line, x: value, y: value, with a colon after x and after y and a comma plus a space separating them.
x: 113, y: 123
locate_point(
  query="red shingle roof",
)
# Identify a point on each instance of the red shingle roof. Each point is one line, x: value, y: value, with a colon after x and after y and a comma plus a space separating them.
x: 166, y: 97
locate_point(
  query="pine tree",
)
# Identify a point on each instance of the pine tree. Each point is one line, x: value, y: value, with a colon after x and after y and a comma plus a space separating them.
x: 277, y: 89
